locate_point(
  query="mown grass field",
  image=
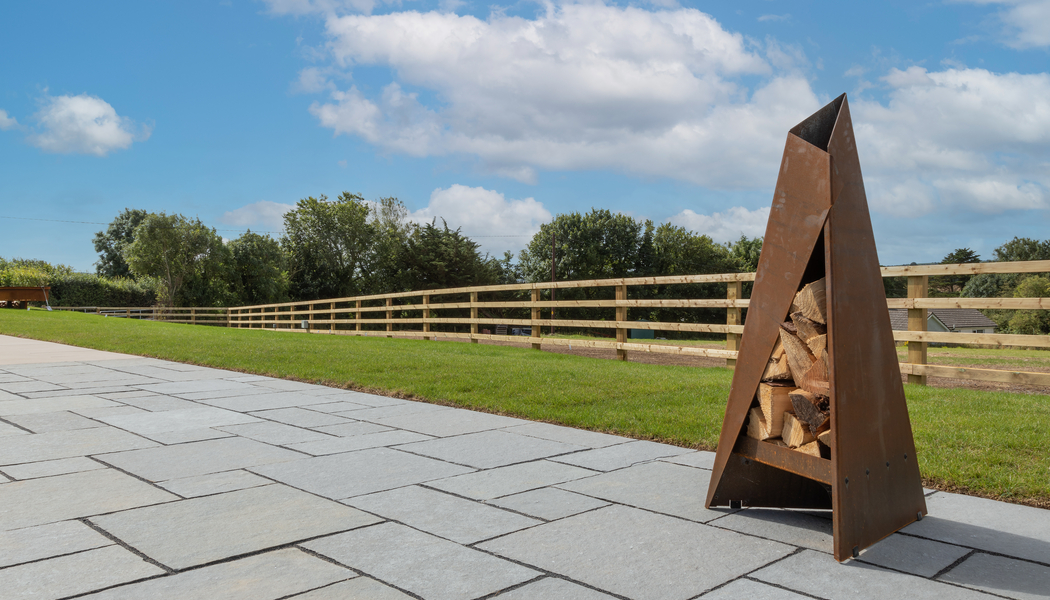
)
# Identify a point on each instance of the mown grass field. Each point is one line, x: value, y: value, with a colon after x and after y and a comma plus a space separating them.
x: 992, y: 444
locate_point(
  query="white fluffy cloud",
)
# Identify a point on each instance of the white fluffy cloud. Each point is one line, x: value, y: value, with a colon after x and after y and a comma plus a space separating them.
x: 485, y: 216
x: 6, y: 122
x: 725, y: 226
x: 258, y: 214
x: 84, y: 125
x: 1026, y: 23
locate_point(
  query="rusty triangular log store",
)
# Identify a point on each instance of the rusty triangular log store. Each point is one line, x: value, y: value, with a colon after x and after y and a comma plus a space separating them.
x: 816, y: 416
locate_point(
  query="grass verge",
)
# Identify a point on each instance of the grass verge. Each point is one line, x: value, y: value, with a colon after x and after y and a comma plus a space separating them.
x: 992, y: 444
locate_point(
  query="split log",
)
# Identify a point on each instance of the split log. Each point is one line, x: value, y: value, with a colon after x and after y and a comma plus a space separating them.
x: 774, y: 401
x: 815, y: 379
x: 811, y: 409
x: 795, y: 433
x: 798, y: 355
x: 825, y: 437
x: 812, y: 301
x: 777, y: 368
x: 756, y: 425
x: 818, y: 344
x: 807, y: 328
x: 812, y: 448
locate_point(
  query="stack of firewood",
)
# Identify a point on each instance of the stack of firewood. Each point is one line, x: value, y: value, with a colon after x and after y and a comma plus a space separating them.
x: 793, y: 397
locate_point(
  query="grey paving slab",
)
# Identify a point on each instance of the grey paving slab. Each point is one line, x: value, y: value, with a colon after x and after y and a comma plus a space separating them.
x: 266, y: 576
x: 638, y: 554
x: 4, y: 396
x: 1002, y: 576
x: 446, y: 516
x: 44, y: 541
x: 276, y: 433
x: 4, y: 478
x: 75, y: 574
x: 132, y: 393
x: 48, y: 468
x: 489, y: 449
x: 701, y: 459
x: 301, y: 417
x: 568, y: 435
x: 258, y: 402
x: 551, y: 587
x: 449, y: 422
x: 549, y: 503
x: 286, y: 385
x: 751, y: 590
x: 425, y: 565
x: 818, y: 574
x: 662, y: 487
x: 351, y: 474
x: 393, y: 410
x: 362, y: 398
x: 98, y: 392
x: 188, y: 435
x: 198, y: 417
x: 360, y: 588
x: 180, y: 388
x: 798, y: 528
x: 504, y: 481
x: 65, y: 444
x: 107, y: 411
x: 46, y: 405
x: 353, y: 428
x: 392, y: 437
x: 203, y: 530
x: 214, y: 483
x: 7, y: 429
x: 53, y: 421
x: 222, y: 394
x: 198, y: 458
x: 622, y: 455
x: 29, y: 386
x: 1009, y: 529
x: 917, y: 556
x: 154, y: 402
x: 339, y: 406
x: 38, y: 501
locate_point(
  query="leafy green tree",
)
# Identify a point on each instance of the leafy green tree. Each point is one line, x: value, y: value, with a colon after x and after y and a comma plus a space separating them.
x: 110, y: 243
x: 329, y: 245
x: 745, y: 252
x: 1032, y: 322
x: 952, y: 285
x: 597, y: 245
x: 439, y: 257
x: 260, y: 269
x: 175, y: 249
x: 1019, y: 249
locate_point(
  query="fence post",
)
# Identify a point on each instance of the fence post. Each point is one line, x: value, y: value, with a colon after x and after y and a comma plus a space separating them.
x: 621, y: 317
x: 331, y: 316
x: 357, y: 315
x: 389, y: 315
x: 426, y: 317
x: 229, y: 313
x: 473, y: 317
x: 535, y: 319
x: 734, y: 290
x: 193, y: 315
x: 918, y: 287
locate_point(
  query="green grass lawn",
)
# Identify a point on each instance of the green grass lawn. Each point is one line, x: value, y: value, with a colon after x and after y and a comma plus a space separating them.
x: 992, y: 444
x: 1010, y: 359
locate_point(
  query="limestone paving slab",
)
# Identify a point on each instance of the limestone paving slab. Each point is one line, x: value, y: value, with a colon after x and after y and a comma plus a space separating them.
x: 75, y: 573
x: 154, y: 402
x: 301, y: 417
x: 917, y: 556
x: 392, y: 410
x: 46, y: 405
x: 795, y: 527
x: 213, y: 483
x: 209, y: 386
x: 197, y: 417
x: 65, y: 444
x: 338, y: 445
x: 1009, y: 529
x: 188, y: 435
x: 489, y: 449
x: 49, y: 468
x: 287, y: 385
x: 350, y: 428
x: 53, y: 421
x: 818, y: 574
x: 622, y: 455
x: 552, y: 587
x: 420, y: 563
x: 249, y: 390
x: 504, y: 481
x: 701, y: 459
x: 203, y: 530
x: 278, y: 434
x: 657, y: 486
x: 341, y: 476
x: 267, y: 576
x: 1002, y: 576
x: 7, y: 429
x: 449, y: 422
x: 751, y: 590
x: 549, y: 504
x: 107, y: 411
x: 359, y: 588
x: 446, y: 516
x: 49, y: 499
x: 29, y: 386
x: 198, y: 458
x: 98, y: 392
x: 361, y: 398
x: 339, y: 406
x: 638, y: 554
x: 257, y: 402
x: 44, y: 541
x: 568, y: 435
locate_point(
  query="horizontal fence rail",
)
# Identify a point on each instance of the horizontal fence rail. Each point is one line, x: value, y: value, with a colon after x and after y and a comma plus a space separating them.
x: 497, y: 312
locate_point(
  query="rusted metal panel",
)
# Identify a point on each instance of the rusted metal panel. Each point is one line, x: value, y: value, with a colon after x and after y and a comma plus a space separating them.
x: 810, y: 467
x: 873, y: 447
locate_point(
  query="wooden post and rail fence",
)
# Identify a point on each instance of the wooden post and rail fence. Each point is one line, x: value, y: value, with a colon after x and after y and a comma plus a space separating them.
x: 415, y: 314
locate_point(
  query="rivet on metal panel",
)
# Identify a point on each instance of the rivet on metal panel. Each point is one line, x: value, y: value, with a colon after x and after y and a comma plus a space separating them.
x: 887, y: 464
x: 847, y: 482
x: 867, y: 471
x: 918, y: 516
x: 856, y: 551
x: 905, y: 457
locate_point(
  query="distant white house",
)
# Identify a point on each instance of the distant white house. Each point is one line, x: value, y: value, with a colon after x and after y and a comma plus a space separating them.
x: 956, y: 320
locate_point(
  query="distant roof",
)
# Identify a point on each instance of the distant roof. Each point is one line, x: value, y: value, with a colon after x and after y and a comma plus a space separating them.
x: 953, y: 318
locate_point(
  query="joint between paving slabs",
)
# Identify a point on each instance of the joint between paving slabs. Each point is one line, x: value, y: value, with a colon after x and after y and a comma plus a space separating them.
x: 16, y: 425
x: 979, y: 550
x: 130, y: 474
x: 359, y: 572
x: 109, y: 536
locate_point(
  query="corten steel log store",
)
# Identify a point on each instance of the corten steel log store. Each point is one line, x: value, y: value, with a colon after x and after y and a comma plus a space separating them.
x: 819, y: 226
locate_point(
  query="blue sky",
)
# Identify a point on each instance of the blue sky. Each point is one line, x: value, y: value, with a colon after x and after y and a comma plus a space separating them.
x: 498, y: 116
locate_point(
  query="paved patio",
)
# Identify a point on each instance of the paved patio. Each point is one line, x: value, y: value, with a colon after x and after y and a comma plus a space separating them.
x: 125, y: 477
